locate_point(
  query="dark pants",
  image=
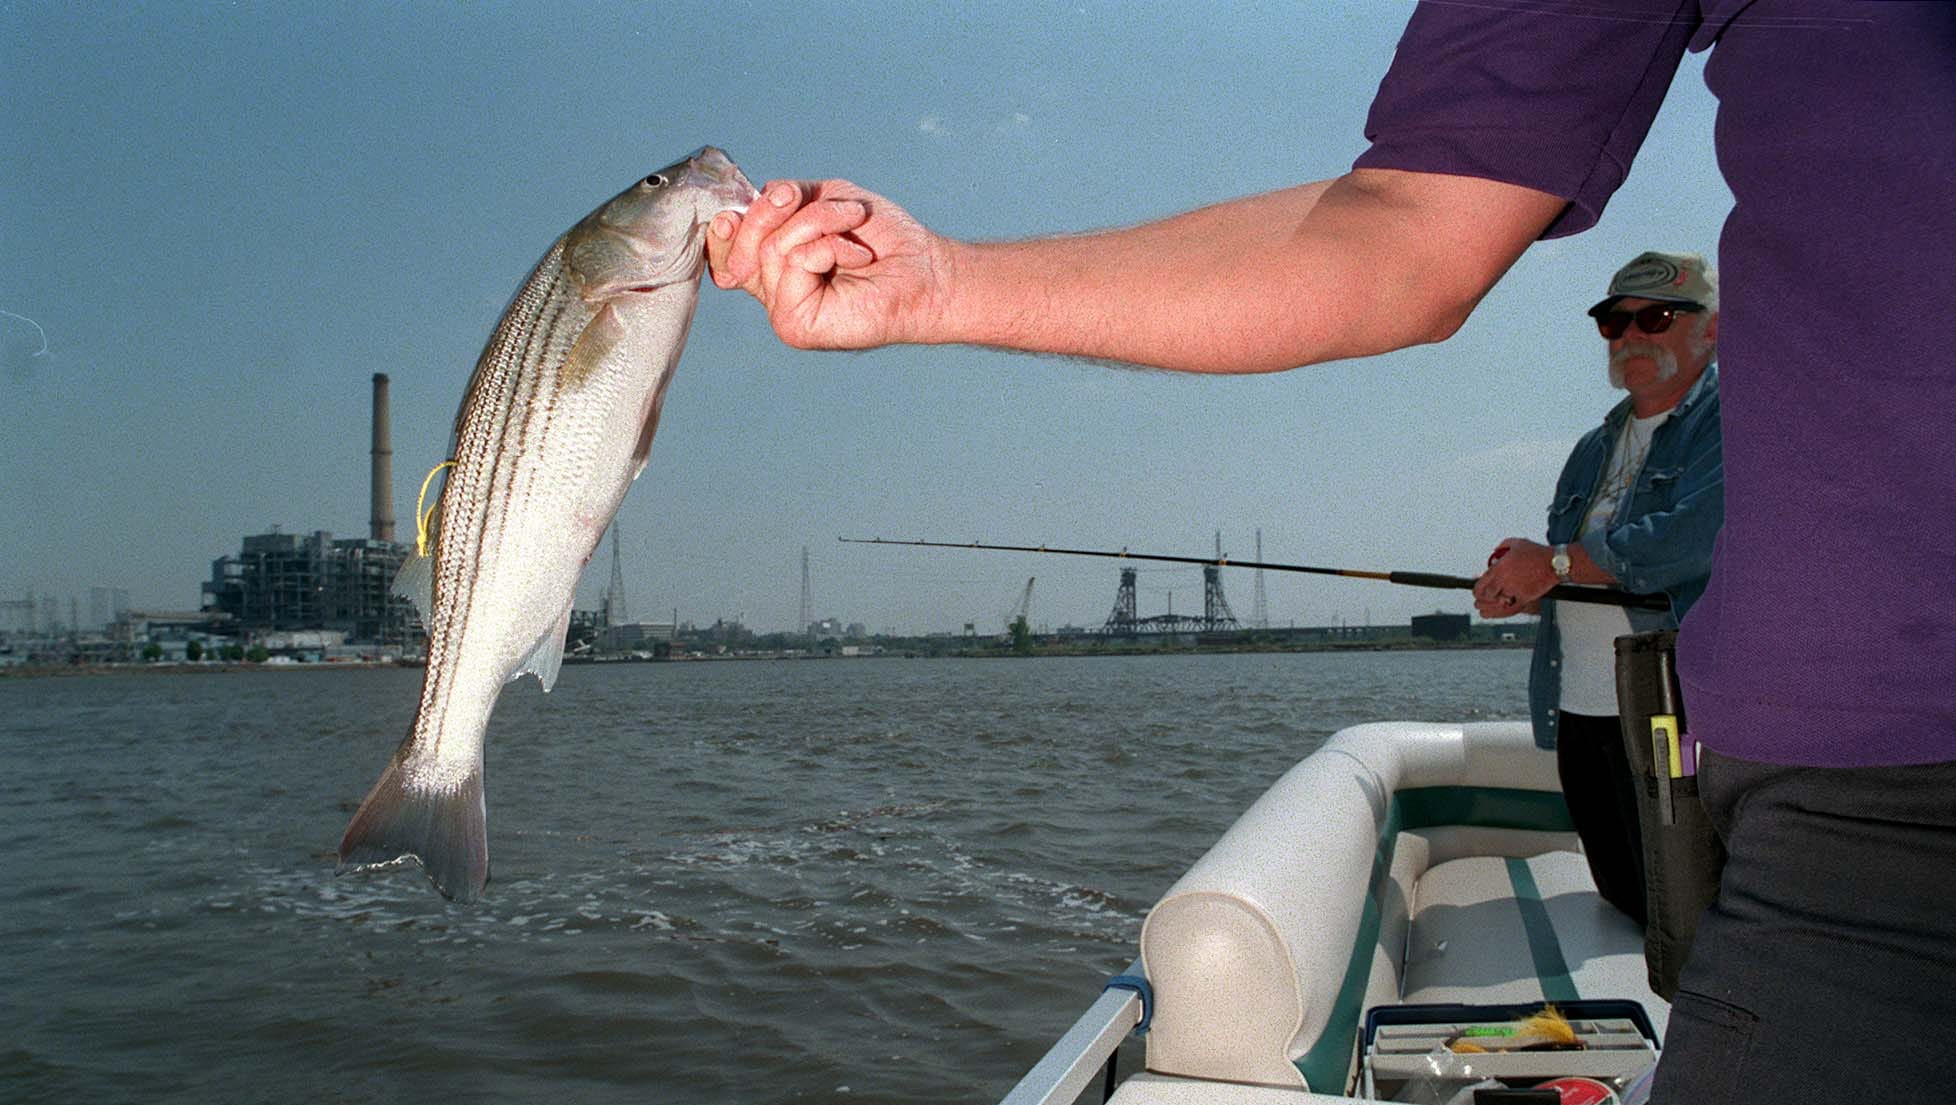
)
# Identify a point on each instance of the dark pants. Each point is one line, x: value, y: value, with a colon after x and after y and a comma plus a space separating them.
x: 1825, y: 971
x: 1602, y: 797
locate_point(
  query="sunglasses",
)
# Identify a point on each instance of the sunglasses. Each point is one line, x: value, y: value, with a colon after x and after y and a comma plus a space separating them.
x: 1656, y: 318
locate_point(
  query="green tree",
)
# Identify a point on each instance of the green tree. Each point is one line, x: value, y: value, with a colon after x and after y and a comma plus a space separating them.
x: 257, y: 654
x: 193, y: 651
x: 234, y: 652
x: 152, y: 652
x: 1021, y: 636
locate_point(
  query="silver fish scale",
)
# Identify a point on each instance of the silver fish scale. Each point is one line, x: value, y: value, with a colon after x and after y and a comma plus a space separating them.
x: 552, y: 430
x: 519, y: 365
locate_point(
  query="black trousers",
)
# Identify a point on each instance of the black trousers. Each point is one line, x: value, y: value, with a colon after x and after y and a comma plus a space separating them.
x: 1825, y: 971
x: 1602, y: 797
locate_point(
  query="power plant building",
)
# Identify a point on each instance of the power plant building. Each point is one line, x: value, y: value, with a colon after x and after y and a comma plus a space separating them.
x: 282, y: 582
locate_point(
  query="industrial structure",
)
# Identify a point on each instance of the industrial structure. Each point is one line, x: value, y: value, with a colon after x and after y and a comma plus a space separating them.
x: 283, y: 583
x: 280, y: 582
x: 1260, y: 608
x: 613, y: 610
x: 1216, y: 616
x: 806, y: 615
x: 381, y: 520
x: 1022, y: 610
x: 1439, y: 626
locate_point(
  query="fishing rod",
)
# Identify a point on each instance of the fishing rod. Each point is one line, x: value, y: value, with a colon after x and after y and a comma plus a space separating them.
x: 1562, y: 592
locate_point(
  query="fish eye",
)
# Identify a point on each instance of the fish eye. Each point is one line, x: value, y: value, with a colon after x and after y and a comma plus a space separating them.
x: 656, y: 180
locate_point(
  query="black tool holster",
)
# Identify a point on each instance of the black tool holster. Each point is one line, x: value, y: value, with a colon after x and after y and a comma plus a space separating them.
x: 1682, y: 855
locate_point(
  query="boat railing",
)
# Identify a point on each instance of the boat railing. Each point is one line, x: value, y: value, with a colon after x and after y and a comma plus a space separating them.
x: 1088, y: 1048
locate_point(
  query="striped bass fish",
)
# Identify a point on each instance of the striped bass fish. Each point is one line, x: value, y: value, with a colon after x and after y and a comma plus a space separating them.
x: 556, y: 424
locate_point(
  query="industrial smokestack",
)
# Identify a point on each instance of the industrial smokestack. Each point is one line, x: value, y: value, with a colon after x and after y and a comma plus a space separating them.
x: 383, y: 489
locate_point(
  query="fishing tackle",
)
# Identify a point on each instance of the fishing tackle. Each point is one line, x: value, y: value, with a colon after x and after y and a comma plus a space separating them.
x: 421, y: 520
x: 1602, y: 596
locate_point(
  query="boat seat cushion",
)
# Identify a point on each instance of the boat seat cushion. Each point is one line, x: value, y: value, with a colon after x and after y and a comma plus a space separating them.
x: 1488, y: 929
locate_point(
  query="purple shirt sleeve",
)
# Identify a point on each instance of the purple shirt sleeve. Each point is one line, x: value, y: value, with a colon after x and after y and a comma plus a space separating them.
x: 1554, y: 96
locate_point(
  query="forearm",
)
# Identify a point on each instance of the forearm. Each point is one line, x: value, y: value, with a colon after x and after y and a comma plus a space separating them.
x: 1369, y: 262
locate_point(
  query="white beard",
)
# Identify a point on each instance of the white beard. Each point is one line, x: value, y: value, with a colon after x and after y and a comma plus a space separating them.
x: 1667, y: 362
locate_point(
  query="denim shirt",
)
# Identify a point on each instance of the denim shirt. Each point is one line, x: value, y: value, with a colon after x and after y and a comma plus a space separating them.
x: 1659, y: 538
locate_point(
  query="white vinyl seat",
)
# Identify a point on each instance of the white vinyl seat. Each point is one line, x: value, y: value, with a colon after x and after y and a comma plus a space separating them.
x: 1493, y: 929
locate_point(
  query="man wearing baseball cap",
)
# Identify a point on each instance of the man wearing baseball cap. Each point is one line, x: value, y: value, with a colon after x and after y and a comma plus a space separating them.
x: 1639, y: 503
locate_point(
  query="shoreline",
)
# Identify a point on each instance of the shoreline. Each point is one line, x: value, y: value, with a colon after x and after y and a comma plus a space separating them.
x: 896, y: 652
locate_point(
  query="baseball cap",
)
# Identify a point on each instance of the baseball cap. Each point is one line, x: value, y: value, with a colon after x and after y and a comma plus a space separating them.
x: 1663, y: 277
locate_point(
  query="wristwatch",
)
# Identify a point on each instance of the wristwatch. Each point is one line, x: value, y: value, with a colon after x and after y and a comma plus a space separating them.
x: 1559, y: 562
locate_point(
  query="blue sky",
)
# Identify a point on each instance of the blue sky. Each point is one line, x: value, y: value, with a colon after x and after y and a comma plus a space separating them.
x: 226, y: 218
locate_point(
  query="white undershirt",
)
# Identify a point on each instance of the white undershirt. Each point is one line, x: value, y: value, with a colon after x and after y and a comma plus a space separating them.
x: 1589, y: 631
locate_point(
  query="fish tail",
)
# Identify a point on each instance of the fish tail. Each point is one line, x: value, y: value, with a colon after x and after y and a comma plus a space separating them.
x: 443, y: 830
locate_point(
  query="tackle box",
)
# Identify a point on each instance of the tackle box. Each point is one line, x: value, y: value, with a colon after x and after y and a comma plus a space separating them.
x: 1617, y: 1040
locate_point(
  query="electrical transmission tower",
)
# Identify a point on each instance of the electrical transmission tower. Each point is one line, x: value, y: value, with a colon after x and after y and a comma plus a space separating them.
x: 614, y: 594
x: 1260, y: 606
x: 807, y: 610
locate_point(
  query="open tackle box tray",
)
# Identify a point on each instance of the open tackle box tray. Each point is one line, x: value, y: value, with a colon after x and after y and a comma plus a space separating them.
x: 1617, y: 1040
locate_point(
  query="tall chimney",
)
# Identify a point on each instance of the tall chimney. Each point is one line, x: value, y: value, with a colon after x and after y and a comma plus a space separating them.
x: 383, y: 489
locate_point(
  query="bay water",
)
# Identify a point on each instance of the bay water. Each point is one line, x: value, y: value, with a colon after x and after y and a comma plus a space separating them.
x: 862, y: 881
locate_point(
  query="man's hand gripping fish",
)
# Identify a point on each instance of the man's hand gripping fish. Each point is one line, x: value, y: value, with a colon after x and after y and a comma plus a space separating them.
x: 556, y: 424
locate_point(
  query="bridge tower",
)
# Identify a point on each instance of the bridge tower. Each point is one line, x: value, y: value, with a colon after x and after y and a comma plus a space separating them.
x: 1122, y: 620
x: 1216, y: 615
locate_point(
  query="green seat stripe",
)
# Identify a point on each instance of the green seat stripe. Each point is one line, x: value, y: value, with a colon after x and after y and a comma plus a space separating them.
x: 1543, y: 947
x: 1327, y: 1065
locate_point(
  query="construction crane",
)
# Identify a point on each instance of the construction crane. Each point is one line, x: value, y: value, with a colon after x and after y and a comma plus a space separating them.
x: 1022, y: 610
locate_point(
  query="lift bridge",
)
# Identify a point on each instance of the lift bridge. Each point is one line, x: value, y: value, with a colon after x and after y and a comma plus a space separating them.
x: 1216, y: 616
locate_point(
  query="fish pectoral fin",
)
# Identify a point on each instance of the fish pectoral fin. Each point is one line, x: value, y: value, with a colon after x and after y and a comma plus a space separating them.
x: 444, y: 830
x: 600, y: 338
x: 416, y: 582
x: 548, y: 656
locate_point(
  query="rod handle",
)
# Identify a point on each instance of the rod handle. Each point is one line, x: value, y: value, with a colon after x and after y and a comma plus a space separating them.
x: 1430, y: 579
x: 1607, y: 597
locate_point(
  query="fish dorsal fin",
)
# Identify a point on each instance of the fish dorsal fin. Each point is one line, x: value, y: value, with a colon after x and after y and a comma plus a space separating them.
x: 416, y: 583
x: 548, y: 656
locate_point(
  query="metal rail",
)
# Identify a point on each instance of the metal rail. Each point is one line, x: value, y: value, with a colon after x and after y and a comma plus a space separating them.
x: 1070, y: 1065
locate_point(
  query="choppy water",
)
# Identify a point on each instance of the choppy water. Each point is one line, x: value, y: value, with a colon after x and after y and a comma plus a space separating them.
x: 866, y: 881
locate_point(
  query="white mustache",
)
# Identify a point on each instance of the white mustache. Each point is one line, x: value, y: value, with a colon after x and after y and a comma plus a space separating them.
x: 1667, y: 362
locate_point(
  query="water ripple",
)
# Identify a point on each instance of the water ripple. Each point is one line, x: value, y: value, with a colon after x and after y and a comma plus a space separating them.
x: 888, y: 882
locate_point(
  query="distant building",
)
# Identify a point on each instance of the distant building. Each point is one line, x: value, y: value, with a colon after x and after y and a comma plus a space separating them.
x: 634, y: 637
x: 106, y: 605
x: 138, y: 627
x: 281, y: 582
x: 17, y: 616
x: 1440, y: 627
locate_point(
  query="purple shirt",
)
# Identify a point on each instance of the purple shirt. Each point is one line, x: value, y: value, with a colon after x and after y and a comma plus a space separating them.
x: 1828, y: 634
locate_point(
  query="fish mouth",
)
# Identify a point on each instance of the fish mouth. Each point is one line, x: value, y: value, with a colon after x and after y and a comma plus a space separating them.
x: 713, y: 170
